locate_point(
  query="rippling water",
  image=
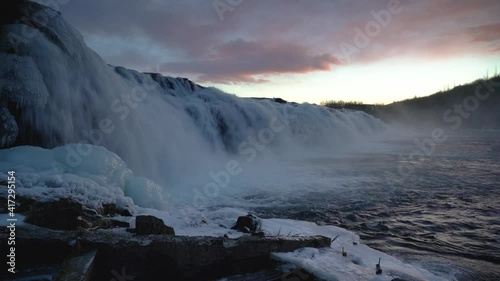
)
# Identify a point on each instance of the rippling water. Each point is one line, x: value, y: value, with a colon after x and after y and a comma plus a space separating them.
x: 445, y: 216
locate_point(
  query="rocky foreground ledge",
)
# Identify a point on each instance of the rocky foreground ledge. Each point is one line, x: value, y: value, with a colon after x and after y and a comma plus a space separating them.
x: 104, y: 254
x: 66, y: 239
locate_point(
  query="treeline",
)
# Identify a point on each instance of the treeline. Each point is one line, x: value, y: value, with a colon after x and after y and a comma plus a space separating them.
x: 473, y: 105
x: 353, y: 105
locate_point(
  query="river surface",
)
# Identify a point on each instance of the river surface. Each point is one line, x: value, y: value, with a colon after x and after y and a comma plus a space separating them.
x: 441, y: 212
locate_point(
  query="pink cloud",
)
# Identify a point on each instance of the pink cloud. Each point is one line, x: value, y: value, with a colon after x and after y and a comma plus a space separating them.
x: 243, y: 61
x: 283, y: 36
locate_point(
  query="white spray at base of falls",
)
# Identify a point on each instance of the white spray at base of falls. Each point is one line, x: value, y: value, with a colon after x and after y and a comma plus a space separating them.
x: 164, y: 128
x: 56, y: 92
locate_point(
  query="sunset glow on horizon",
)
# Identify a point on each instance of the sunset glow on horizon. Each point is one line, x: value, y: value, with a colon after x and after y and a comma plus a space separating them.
x: 375, y: 52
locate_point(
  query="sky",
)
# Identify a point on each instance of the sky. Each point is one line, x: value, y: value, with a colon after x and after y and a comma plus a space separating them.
x: 376, y: 51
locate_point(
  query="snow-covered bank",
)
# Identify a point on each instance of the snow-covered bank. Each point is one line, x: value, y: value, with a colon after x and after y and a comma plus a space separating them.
x: 359, y: 264
x: 325, y: 263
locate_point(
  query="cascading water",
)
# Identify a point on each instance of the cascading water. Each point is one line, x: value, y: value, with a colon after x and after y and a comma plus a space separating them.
x: 57, y: 93
x: 60, y: 92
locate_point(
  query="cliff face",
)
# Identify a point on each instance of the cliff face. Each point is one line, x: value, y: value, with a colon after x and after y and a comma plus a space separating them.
x: 45, y: 66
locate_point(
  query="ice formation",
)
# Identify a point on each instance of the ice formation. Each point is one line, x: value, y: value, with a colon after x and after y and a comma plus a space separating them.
x: 90, y: 175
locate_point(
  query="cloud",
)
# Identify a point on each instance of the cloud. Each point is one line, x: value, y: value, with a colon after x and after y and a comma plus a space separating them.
x: 260, y: 39
x: 485, y: 33
x: 495, y: 50
x: 242, y: 61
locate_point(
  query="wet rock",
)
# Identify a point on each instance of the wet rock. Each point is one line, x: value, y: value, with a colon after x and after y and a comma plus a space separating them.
x: 108, y: 209
x: 103, y: 223
x: 77, y: 266
x: 145, y: 225
x: 61, y: 214
x: 248, y: 224
x: 158, y: 257
x: 258, y: 234
x: 125, y: 213
x: 110, y: 223
x: 189, y: 258
x: 82, y: 223
x: 119, y: 222
x: 68, y: 215
x: 298, y: 274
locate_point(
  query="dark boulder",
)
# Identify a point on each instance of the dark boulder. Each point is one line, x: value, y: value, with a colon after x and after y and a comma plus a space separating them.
x: 115, y: 222
x: 145, y: 225
x: 61, y: 214
x: 248, y: 224
x: 66, y: 214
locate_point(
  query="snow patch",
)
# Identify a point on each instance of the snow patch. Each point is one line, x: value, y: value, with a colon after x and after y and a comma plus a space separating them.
x: 330, y: 264
x: 90, y: 175
x: 326, y: 263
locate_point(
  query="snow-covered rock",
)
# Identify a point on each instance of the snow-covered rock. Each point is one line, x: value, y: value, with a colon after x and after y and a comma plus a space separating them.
x: 90, y: 175
x: 359, y: 263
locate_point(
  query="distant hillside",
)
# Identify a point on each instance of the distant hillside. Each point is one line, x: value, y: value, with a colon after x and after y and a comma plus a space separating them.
x: 474, y: 105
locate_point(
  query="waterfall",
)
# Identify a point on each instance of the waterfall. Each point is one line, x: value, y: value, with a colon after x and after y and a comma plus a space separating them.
x: 55, y: 90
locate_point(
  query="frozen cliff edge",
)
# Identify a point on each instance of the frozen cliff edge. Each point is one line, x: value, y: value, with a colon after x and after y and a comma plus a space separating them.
x: 45, y: 65
x: 54, y: 90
